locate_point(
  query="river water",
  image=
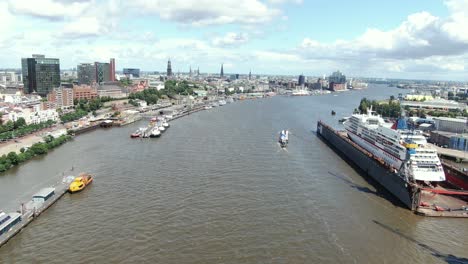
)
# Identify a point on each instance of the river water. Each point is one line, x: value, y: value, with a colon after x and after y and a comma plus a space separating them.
x: 216, y: 188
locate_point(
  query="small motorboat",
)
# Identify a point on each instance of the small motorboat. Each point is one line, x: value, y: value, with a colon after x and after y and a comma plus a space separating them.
x: 161, y: 128
x: 136, y: 134
x: 155, y: 132
x: 80, y: 182
x: 208, y: 107
x: 283, y: 138
x: 165, y: 124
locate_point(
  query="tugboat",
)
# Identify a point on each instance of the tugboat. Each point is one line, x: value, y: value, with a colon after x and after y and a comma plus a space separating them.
x: 283, y: 138
x: 80, y: 182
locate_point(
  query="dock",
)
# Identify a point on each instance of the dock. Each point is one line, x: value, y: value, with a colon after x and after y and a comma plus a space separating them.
x: 426, y: 200
x: 30, y: 210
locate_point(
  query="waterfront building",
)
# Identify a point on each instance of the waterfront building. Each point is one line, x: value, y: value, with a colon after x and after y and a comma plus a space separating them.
x: 337, y: 81
x: 454, y: 125
x: 32, y: 114
x: 131, y: 72
x: 436, y: 104
x: 40, y: 74
x: 86, y: 73
x: 84, y: 92
x: 60, y: 98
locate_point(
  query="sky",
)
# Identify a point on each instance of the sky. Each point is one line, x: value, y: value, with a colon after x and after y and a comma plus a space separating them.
x: 417, y: 39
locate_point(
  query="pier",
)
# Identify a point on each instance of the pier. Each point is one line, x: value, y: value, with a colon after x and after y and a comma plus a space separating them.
x: 30, y: 210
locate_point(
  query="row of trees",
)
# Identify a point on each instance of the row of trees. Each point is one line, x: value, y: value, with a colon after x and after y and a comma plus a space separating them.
x: 390, y: 109
x: 171, y: 89
x: 83, y: 107
x: 151, y: 96
x: 19, y: 128
x: 13, y: 159
x: 72, y: 116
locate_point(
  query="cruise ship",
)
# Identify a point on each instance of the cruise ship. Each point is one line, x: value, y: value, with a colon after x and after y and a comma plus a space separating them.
x: 404, y: 150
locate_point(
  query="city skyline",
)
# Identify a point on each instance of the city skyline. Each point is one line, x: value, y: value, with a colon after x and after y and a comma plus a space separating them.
x: 392, y: 40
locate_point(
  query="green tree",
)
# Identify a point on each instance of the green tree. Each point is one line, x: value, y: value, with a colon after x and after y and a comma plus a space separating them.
x: 39, y: 148
x: 19, y: 123
x: 13, y: 157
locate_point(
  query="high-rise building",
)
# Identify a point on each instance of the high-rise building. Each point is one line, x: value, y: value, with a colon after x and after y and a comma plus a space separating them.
x: 250, y: 75
x: 40, y: 74
x: 190, y: 72
x: 222, y: 71
x: 198, y: 71
x: 112, y: 70
x: 169, y: 68
x: 337, y: 81
x: 86, y: 73
x: 102, y: 72
x: 134, y: 72
x: 301, y: 80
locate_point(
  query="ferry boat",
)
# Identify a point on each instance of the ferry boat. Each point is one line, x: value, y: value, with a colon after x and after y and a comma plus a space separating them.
x: 7, y: 221
x: 402, y: 149
x: 80, y: 183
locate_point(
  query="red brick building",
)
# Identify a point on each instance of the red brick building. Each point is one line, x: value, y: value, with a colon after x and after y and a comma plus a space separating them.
x: 84, y: 92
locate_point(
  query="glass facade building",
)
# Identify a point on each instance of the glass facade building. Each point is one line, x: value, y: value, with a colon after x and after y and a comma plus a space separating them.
x: 40, y: 74
x: 86, y: 73
x: 103, y: 71
x: 134, y: 72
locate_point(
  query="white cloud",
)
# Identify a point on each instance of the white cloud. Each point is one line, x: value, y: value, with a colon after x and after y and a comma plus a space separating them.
x: 230, y: 39
x: 83, y: 27
x: 278, y: 2
x: 49, y: 9
x: 207, y: 12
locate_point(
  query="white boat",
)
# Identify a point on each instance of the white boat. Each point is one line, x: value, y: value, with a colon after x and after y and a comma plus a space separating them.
x: 161, y: 128
x: 300, y: 92
x: 155, y: 132
x: 208, y: 107
x: 215, y: 104
x: 165, y: 124
x: 230, y: 100
x: 168, y: 117
x: 222, y: 102
x: 396, y: 145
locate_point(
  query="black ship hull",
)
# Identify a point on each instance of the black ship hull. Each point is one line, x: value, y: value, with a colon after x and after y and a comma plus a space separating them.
x: 397, y: 186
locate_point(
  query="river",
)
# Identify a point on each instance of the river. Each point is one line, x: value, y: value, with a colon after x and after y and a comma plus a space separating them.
x: 216, y: 188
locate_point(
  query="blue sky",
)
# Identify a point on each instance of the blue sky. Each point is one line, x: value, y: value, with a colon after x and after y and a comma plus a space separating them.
x: 420, y: 39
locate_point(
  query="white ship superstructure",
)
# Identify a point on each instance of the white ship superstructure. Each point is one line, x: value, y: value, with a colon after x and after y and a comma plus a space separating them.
x: 396, y: 146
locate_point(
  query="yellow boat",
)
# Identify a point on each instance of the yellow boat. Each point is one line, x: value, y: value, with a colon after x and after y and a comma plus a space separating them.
x: 80, y: 182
